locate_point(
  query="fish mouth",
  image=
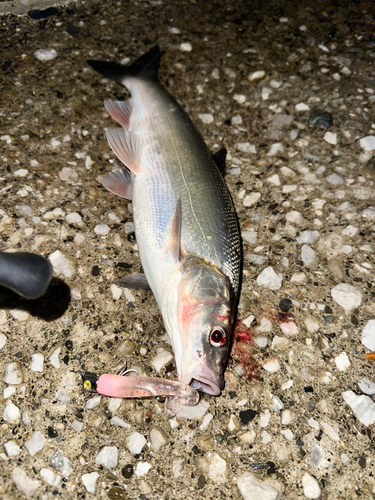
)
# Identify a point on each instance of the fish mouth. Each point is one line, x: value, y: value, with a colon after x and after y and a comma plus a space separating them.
x: 205, y: 385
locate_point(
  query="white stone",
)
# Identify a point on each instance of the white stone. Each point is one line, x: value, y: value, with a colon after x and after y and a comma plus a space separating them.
x: 277, y: 404
x: 265, y: 437
x: 186, y: 47
x: 13, y: 373
x: 206, y: 118
x: 35, y: 443
x: 368, y: 335
x: 251, y: 199
x: 294, y: 217
x: 311, y: 488
x: 246, y: 147
x: 302, y: 107
x: 54, y: 358
x: 240, y: 98
x: 307, y: 255
x: 24, y: 483
x: 363, y: 407
x: 174, y: 31
x: 347, y: 249
x: 20, y: 314
x: 158, y: 439
x: 368, y: 143
x: 289, y: 328
x: 308, y: 237
x: 268, y: 278
x: 369, y: 213
x: 129, y: 227
x: 101, y: 229
x: 254, y: 488
x: 206, y: 421
x: 45, y: 54
x: 93, y: 402
x: 271, y: 365
x: 9, y: 391
x: 287, y: 417
x: 330, y: 137
x: 77, y: 425
x: 366, y: 386
x: 11, y: 413
x: 68, y: 175
x: 50, y: 477
x: 256, y: 76
x: 342, y: 362
x: 266, y: 93
x: 275, y: 148
x: 37, y: 363
x: 298, y: 278
x: 63, y: 264
x: 261, y: 341
x: 288, y: 434
x: 274, y: 179
x: 313, y: 423
x: 350, y: 231
x: 108, y: 457
x: 114, y: 404
x: 116, y: 291
x: 162, y: 358
x: 142, y: 468
x: 249, y: 236
x: 214, y: 466
x: 236, y: 120
x: 335, y: 180
x: 120, y: 422
x: 135, y: 442
x: 12, y: 449
x: 264, y: 418
x: 265, y: 325
x: 347, y: 296
x: 74, y: 218
x: 191, y: 412
x: 22, y: 172
x: 54, y: 214
x: 3, y: 340
x: 89, y: 481
x: 330, y: 431
x: 289, y: 188
x: 128, y: 295
x: 61, y: 464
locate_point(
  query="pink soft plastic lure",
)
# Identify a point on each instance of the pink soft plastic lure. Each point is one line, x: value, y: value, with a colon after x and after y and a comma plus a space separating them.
x: 118, y: 386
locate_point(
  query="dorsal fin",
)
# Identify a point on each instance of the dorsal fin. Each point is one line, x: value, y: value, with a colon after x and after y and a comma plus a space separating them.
x: 146, y: 66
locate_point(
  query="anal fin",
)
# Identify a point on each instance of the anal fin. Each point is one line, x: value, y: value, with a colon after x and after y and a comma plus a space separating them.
x: 136, y: 281
x: 120, y: 183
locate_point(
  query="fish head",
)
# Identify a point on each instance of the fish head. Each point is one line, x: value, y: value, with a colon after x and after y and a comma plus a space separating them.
x: 205, y: 309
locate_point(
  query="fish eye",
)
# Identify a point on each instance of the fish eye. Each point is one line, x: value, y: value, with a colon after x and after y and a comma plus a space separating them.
x: 218, y: 337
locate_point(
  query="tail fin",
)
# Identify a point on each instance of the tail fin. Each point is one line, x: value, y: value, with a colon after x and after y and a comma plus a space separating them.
x: 146, y: 66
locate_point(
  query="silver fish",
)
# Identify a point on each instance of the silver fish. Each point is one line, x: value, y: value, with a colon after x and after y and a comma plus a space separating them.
x: 185, y: 223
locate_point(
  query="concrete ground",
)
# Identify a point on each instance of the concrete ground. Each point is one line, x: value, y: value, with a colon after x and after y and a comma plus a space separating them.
x: 289, y: 89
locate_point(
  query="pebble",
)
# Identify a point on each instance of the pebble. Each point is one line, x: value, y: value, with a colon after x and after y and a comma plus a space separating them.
x: 250, y: 236
x: 366, y: 386
x: 192, y: 412
x: 20, y: 314
x: 275, y: 148
x: 274, y: 179
x: 347, y: 296
x: 252, y: 487
x: 335, y: 179
x: 101, y: 229
x: 35, y: 443
x: 12, y: 449
x: 302, y: 107
x: 307, y: 255
x: 45, y: 54
x: 77, y: 425
x: 162, y: 358
x: 93, y: 402
x: 206, y: 118
x: 214, y: 466
x: 206, y: 421
x: 331, y: 138
x: 63, y: 264
x: 158, y: 438
x: 320, y: 119
x: 287, y: 417
x: 277, y: 404
x: 240, y: 98
x: 268, y: 278
x: 24, y: 483
x: 342, y: 362
x: 308, y: 237
x: 271, y: 365
x: 54, y: 358
x: 369, y: 213
x: 11, y: 413
x: 61, y: 464
x: 251, y: 199
x: 89, y: 481
x: 368, y: 143
x: 68, y: 175
x: 257, y: 76
x: 3, y: 340
x: 186, y: 47
x: 37, y: 363
x: 13, y: 373
x: 266, y: 92
x: 258, y: 260
x: 142, y: 468
x: 108, y: 457
x: 298, y: 277
x: 363, y: 407
x: 368, y: 335
x: 129, y: 227
x: 135, y: 443
x: 246, y: 147
x: 50, y: 477
x: 289, y: 328
x: 74, y: 218
x: 311, y: 488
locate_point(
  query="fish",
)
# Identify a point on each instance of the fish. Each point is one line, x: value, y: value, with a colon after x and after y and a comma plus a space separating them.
x: 25, y: 273
x: 186, y: 226
x: 118, y: 386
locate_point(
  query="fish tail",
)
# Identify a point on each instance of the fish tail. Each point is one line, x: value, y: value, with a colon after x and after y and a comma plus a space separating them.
x: 146, y: 66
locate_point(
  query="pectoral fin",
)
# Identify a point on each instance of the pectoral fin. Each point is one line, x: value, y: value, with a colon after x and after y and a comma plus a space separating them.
x: 126, y: 147
x: 173, y: 245
x: 135, y: 281
x: 120, y: 111
x: 219, y: 158
x: 119, y: 183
